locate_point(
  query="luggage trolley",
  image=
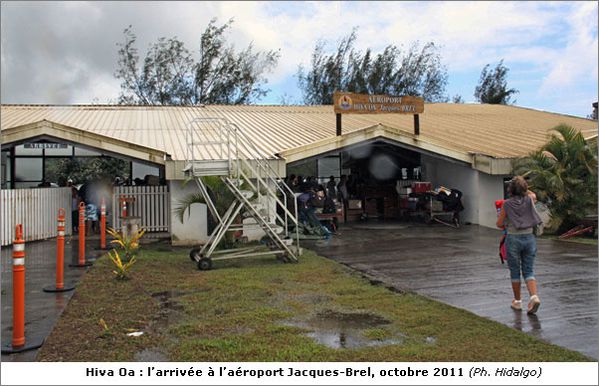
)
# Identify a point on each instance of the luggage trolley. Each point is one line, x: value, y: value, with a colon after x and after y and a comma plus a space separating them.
x: 451, y: 206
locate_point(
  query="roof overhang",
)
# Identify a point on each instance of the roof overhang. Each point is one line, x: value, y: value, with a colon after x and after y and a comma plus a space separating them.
x: 481, y: 162
x: 109, y: 145
x: 492, y: 165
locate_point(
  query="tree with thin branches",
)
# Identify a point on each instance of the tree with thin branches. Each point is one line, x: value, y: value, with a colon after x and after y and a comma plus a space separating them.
x: 492, y: 86
x: 417, y: 71
x: 170, y: 74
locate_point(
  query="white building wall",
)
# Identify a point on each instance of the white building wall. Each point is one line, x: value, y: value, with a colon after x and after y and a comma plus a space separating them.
x: 490, y: 190
x: 454, y: 176
x: 480, y: 190
x: 194, y: 229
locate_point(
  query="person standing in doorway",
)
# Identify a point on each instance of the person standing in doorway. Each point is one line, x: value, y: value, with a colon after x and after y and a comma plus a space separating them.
x: 343, y: 195
x: 74, y: 206
x: 519, y: 216
x: 331, y: 187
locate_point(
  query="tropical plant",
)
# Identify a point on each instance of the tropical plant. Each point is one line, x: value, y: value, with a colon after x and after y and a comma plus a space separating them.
x: 105, y: 329
x: 121, y: 268
x: 129, y: 244
x: 219, y: 193
x: 563, y: 174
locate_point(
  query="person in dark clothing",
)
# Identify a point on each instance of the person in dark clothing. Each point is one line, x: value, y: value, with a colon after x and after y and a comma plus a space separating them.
x: 331, y: 187
x: 306, y: 186
x: 329, y: 205
x: 343, y: 194
x: 75, y: 199
x: 307, y: 204
x: 292, y: 183
x: 350, y: 183
x: 519, y: 216
x: 313, y: 182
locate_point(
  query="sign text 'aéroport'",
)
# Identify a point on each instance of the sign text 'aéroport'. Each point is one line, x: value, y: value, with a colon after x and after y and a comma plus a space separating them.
x: 350, y: 103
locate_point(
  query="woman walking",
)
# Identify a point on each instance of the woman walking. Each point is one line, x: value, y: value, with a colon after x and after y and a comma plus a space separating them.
x: 519, y: 216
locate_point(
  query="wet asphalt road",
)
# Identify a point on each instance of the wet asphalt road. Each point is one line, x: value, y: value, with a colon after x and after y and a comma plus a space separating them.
x: 42, y: 309
x: 461, y: 267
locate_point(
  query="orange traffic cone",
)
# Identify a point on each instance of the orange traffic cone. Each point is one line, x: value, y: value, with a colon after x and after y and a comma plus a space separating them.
x: 81, y: 262
x: 18, y: 298
x: 60, y: 287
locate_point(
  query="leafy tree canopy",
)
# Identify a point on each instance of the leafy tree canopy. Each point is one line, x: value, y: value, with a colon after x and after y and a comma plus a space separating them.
x: 563, y: 173
x: 171, y: 75
x: 492, y: 86
x: 84, y: 170
x: 416, y: 71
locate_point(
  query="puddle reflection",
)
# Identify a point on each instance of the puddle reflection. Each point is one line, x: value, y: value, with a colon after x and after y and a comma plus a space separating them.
x: 534, y: 323
x: 346, y: 331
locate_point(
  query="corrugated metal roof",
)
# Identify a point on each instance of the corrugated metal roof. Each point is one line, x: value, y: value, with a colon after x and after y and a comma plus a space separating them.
x: 496, y: 130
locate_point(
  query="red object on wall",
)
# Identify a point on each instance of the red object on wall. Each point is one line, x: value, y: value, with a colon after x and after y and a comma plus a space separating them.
x: 421, y: 187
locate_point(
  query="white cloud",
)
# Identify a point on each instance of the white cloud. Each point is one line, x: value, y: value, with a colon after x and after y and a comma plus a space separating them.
x: 471, y: 34
x: 577, y: 62
x: 65, y: 52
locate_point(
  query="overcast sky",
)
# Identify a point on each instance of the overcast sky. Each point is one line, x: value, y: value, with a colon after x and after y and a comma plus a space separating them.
x: 65, y: 52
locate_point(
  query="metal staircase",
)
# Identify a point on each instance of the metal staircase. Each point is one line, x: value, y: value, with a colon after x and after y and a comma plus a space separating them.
x: 217, y: 147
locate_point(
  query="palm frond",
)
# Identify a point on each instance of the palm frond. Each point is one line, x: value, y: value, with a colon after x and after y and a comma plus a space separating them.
x: 220, y: 195
x: 563, y: 174
x: 185, y: 204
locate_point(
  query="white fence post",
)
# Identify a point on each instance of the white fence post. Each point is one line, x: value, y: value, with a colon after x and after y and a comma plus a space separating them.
x: 151, y: 205
x: 36, y: 209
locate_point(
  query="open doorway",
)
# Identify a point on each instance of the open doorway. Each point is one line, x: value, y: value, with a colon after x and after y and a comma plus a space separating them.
x: 386, y: 181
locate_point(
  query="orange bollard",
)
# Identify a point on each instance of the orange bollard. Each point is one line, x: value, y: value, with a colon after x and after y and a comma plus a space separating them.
x: 18, y: 289
x: 82, y: 233
x: 18, y: 298
x: 60, y: 287
x: 82, y: 262
x: 103, y: 224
